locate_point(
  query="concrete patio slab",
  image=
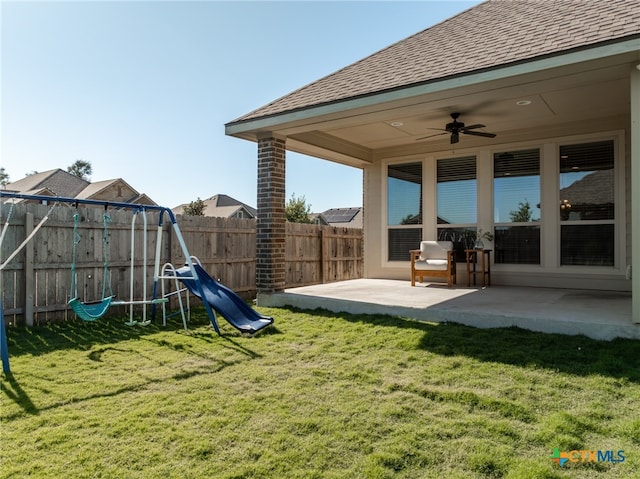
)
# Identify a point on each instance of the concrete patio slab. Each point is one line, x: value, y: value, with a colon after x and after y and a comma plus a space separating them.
x: 597, y: 314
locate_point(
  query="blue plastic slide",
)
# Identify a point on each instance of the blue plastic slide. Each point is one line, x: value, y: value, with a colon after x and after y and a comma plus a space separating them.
x: 224, y: 301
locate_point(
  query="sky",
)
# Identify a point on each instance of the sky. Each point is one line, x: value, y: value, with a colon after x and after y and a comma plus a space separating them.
x: 142, y: 89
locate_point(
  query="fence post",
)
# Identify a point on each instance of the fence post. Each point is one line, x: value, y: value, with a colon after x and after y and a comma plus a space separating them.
x: 323, y: 256
x: 29, y: 279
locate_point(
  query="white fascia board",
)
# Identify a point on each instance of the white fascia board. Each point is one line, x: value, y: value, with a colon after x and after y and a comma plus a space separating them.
x: 273, y: 122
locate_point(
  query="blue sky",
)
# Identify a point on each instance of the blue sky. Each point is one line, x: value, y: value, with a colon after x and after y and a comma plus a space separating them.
x: 142, y: 90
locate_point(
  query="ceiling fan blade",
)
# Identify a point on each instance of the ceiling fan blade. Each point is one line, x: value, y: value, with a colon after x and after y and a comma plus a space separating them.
x: 479, y: 133
x: 431, y: 136
x: 473, y: 127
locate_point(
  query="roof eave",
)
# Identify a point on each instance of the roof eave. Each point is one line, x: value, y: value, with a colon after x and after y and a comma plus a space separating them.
x: 250, y: 129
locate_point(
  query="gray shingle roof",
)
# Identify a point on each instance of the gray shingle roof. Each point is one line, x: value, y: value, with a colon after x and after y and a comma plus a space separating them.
x: 490, y: 35
x: 220, y: 206
x: 59, y: 182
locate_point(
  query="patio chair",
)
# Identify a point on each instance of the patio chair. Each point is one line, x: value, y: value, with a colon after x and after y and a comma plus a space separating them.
x: 434, y: 259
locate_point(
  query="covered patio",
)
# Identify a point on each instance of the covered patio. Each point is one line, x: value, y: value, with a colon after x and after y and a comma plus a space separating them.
x: 534, y: 138
x: 597, y: 314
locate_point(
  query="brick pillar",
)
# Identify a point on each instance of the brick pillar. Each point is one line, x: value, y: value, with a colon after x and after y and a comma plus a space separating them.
x: 270, y: 248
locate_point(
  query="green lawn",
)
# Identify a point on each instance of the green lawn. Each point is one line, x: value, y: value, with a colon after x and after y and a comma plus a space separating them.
x: 319, y: 395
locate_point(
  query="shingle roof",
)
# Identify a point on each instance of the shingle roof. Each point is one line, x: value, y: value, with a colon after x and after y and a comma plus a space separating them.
x: 57, y: 181
x: 220, y: 206
x: 94, y: 188
x: 490, y: 35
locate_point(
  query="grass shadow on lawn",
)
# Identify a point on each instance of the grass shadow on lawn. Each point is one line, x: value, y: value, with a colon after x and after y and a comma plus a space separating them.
x: 84, y: 336
x: 577, y: 355
x: 104, y: 339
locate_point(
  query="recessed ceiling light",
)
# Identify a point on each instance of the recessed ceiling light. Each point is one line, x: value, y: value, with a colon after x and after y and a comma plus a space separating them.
x: 523, y: 102
x: 396, y: 123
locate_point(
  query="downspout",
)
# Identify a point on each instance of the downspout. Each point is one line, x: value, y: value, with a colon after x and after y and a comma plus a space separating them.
x: 635, y: 192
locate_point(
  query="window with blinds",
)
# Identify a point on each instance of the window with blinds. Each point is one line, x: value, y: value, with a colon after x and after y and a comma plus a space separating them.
x: 404, y: 209
x: 516, y: 206
x: 587, y: 205
x: 457, y: 208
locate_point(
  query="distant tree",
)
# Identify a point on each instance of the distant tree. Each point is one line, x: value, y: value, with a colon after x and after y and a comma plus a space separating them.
x: 81, y: 169
x: 4, y: 176
x: 523, y: 214
x: 32, y: 172
x: 297, y: 210
x: 195, y: 208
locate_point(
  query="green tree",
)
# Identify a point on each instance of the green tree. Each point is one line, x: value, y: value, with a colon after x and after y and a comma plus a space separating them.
x: 4, y: 176
x: 297, y: 210
x: 195, y: 208
x: 523, y: 214
x: 81, y: 169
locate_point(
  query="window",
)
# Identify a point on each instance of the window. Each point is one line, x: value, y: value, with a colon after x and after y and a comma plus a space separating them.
x: 587, y: 233
x: 516, y: 195
x: 404, y: 209
x: 457, y: 209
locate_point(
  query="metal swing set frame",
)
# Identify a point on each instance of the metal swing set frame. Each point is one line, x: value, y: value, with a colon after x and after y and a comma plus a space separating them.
x: 95, y: 311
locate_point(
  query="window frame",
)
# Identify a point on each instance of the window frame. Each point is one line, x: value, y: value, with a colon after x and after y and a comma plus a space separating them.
x: 518, y: 224
x: 385, y: 217
x: 618, y: 221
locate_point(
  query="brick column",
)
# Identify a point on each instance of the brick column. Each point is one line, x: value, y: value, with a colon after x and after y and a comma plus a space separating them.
x: 270, y: 248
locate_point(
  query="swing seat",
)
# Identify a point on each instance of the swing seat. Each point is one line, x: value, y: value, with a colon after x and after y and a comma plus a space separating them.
x: 90, y: 312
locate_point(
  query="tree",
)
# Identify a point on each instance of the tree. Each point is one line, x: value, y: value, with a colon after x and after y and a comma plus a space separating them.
x: 297, y: 210
x: 195, y: 208
x: 4, y: 176
x: 81, y: 169
x: 523, y: 214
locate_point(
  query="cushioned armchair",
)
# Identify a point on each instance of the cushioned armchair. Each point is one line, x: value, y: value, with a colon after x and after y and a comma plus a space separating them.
x: 434, y: 259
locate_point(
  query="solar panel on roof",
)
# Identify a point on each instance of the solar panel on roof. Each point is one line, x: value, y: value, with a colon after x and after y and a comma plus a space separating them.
x: 340, y: 215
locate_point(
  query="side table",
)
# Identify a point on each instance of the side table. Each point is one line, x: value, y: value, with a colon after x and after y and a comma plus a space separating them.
x: 478, y: 263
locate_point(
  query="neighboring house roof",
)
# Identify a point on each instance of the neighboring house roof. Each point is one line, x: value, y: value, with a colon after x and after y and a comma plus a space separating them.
x: 116, y: 189
x: 61, y: 183
x: 318, y: 219
x: 143, y: 199
x: 223, y: 206
x: 593, y: 189
x: 491, y: 35
x: 346, y: 217
x: 58, y: 182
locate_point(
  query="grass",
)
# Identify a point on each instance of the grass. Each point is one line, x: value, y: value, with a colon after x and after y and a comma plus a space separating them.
x: 319, y: 395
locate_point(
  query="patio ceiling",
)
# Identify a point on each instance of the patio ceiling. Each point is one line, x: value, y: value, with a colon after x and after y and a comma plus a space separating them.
x: 565, y: 98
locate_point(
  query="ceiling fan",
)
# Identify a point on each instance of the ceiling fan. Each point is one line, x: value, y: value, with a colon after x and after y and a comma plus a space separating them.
x: 456, y: 127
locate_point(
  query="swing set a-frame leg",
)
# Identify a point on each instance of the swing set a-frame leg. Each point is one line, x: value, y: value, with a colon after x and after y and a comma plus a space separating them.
x: 4, y: 350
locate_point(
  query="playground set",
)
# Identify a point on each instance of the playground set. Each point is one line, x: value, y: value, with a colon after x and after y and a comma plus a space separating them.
x: 191, y: 278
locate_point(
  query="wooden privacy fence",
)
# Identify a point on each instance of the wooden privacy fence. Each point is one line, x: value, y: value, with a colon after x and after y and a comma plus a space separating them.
x: 35, y: 285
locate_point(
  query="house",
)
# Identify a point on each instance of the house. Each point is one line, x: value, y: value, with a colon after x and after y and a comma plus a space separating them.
x: 223, y: 206
x: 114, y: 190
x: 58, y: 182
x: 505, y: 105
x: 344, y: 217
x: 318, y: 219
x: 55, y: 182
